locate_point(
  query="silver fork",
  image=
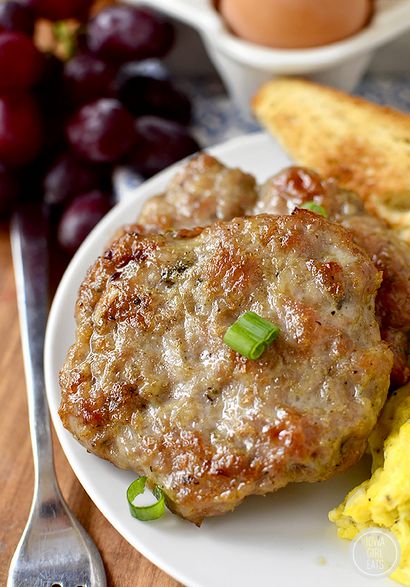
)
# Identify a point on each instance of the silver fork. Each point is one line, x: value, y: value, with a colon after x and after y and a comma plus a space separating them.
x: 54, y: 550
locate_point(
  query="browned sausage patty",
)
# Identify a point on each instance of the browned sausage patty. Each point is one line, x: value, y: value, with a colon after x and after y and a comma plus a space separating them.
x: 295, y: 186
x: 150, y: 385
x: 205, y: 190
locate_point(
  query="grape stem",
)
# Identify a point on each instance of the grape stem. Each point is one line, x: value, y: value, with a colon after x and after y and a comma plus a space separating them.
x: 65, y: 38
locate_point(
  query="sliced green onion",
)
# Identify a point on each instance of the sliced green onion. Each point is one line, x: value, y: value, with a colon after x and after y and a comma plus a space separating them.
x: 251, y: 335
x: 148, y: 512
x: 316, y: 208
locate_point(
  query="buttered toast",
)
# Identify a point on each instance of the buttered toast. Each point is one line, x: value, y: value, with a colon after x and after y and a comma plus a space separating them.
x: 366, y: 147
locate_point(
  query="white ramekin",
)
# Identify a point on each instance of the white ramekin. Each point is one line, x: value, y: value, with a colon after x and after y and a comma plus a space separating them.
x: 244, y: 66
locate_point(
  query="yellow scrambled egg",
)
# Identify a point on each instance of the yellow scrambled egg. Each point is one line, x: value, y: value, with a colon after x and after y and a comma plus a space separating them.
x: 384, y: 499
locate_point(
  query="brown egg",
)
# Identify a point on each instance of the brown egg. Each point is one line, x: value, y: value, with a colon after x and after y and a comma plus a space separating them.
x: 293, y: 24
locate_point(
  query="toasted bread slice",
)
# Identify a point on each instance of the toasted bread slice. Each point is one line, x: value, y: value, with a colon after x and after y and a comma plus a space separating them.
x: 364, y: 146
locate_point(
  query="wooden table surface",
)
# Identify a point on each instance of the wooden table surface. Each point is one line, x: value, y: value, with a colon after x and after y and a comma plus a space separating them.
x: 125, y: 567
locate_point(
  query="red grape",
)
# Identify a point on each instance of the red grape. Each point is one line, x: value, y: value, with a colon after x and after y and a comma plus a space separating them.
x: 21, y: 64
x: 102, y: 131
x: 160, y: 143
x: 80, y: 217
x: 145, y: 88
x: 20, y: 130
x: 69, y: 176
x: 60, y: 9
x: 88, y: 78
x: 16, y: 18
x: 9, y: 190
x: 124, y: 33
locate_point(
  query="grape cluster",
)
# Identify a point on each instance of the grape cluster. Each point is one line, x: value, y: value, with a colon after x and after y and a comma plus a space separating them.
x: 65, y: 123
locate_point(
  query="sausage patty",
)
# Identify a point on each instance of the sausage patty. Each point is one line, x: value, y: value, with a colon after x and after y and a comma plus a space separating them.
x: 201, y: 192
x: 150, y: 385
x: 295, y: 186
x: 186, y: 203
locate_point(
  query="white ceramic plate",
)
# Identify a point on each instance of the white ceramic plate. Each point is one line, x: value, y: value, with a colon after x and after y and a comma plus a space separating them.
x: 282, y: 539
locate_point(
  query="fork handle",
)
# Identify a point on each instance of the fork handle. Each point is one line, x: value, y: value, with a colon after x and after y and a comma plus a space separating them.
x: 30, y: 259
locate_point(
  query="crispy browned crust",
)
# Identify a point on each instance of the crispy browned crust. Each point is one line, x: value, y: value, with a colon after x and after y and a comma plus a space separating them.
x: 150, y: 385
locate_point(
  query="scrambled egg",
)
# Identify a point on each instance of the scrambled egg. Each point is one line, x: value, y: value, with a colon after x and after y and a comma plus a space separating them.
x: 384, y: 499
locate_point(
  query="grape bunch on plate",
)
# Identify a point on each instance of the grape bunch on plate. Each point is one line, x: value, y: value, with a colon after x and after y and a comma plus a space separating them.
x: 66, y: 122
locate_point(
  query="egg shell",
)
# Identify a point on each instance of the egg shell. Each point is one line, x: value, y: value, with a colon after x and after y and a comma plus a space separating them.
x: 295, y: 23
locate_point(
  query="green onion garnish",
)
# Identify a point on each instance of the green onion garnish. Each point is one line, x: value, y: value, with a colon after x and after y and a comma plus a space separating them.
x: 251, y: 335
x: 316, y: 208
x: 148, y: 512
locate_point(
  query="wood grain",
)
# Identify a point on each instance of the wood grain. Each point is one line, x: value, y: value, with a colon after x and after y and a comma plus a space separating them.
x: 125, y: 567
